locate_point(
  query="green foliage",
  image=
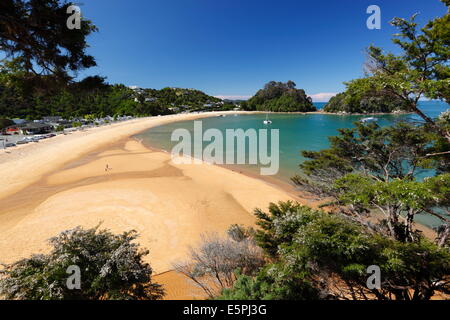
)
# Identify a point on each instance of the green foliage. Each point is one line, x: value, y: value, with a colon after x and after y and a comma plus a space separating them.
x: 328, y: 255
x: 369, y: 167
x: 54, y: 49
x: 111, y: 268
x: 361, y: 96
x: 422, y: 68
x: 280, y: 97
x: 278, y: 226
x: 4, y: 123
x: 381, y: 152
x: 271, y: 283
x: 91, y: 97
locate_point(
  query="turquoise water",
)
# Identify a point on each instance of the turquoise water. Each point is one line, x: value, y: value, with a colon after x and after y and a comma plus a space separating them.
x: 297, y: 132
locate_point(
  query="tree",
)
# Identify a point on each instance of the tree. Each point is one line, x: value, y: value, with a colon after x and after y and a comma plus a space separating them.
x: 362, y: 96
x: 37, y: 32
x: 272, y: 230
x: 280, y: 97
x: 271, y: 283
x: 4, y: 123
x: 328, y: 256
x: 372, y: 167
x: 421, y: 70
x: 111, y: 268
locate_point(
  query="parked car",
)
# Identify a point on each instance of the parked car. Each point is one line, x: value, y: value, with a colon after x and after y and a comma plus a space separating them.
x: 9, y: 145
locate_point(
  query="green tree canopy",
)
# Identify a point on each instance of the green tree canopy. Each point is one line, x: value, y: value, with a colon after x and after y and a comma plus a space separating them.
x: 37, y: 32
x: 361, y: 96
x: 280, y: 97
x: 422, y: 68
x: 323, y: 256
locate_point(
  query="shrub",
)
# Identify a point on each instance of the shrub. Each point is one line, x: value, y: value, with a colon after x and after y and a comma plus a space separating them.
x: 111, y: 268
x: 213, y: 265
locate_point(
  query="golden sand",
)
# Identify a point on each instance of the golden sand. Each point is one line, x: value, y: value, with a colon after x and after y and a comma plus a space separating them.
x: 62, y: 183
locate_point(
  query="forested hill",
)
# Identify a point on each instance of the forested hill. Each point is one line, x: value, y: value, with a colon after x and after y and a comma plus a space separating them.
x: 361, y: 97
x: 92, y: 96
x: 280, y: 97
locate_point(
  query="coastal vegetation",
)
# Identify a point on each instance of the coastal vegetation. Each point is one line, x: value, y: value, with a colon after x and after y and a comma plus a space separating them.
x: 38, y: 76
x: 92, y: 96
x: 110, y: 267
x: 369, y: 171
x: 315, y: 255
x: 369, y: 181
x: 213, y: 264
x: 361, y: 96
x: 280, y: 97
x: 369, y: 167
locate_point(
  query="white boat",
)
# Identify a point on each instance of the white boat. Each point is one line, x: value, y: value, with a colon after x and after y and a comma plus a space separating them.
x: 267, y: 121
x: 370, y: 119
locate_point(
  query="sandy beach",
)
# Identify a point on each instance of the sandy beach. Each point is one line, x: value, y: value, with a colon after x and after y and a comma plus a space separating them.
x: 61, y: 183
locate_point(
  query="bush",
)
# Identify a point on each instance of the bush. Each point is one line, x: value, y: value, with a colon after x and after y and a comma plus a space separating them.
x: 111, y: 268
x: 271, y: 283
x: 333, y: 253
x: 214, y: 263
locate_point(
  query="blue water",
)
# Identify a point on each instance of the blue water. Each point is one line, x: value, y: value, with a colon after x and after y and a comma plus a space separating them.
x: 297, y: 132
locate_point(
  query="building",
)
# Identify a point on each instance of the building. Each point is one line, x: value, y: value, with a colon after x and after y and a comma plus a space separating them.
x: 55, y: 119
x: 36, y: 128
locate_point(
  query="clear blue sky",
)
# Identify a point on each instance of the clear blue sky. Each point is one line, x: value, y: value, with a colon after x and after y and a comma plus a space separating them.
x: 232, y: 47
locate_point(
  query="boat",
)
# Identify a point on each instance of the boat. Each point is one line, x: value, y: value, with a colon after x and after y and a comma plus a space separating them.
x: 370, y: 119
x: 267, y: 121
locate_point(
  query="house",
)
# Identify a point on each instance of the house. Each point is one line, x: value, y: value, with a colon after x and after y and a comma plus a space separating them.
x: 36, y: 128
x: 54, y: 119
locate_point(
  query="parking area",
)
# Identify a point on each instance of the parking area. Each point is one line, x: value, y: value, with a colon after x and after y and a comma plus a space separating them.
x: 7, y: 141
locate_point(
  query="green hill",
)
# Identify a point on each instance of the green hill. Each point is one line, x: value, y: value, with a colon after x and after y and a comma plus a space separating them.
x: 361, y: 97
x: 280, y: 97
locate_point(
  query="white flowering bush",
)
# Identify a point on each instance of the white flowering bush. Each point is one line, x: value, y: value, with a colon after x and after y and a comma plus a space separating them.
x: 111, y: 267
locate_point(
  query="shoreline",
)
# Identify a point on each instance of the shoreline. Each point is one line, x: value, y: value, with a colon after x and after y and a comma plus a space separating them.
x: 170, y: 205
